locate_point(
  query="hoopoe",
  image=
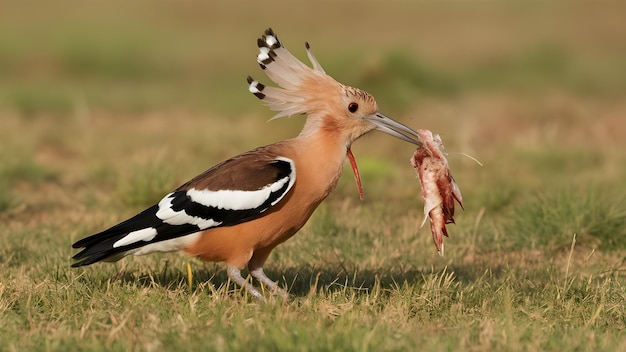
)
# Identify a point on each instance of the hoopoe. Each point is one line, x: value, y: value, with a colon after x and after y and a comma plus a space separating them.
x: 238, y: 211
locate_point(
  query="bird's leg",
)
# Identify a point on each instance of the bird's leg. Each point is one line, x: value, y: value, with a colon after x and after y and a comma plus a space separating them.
x: 259, y: 274
x: 255, y: 266
x: 235, y: 275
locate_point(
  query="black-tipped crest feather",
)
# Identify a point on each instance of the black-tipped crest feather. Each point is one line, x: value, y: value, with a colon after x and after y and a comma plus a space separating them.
x: 288, y: 72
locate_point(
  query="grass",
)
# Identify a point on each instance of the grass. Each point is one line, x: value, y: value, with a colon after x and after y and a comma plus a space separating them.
x: 145, y: 185
x: 105, y: 110
x: 550, y: 219
x: 362, y: 277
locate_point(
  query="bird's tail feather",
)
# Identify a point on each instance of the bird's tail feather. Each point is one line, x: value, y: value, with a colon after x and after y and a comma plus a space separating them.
x: 102, y: 246
x: 99, y: 251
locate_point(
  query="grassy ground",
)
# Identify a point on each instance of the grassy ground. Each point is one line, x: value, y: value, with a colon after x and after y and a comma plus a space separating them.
x: 107, y: 107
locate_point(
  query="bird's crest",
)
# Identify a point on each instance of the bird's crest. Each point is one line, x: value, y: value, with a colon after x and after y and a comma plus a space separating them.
x: 287, y: 71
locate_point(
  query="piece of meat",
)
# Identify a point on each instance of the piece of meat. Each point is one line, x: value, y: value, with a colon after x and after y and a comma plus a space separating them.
x: 439, y: 191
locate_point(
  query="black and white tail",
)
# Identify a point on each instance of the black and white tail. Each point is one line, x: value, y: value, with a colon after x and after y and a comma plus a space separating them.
x: 144, y: 233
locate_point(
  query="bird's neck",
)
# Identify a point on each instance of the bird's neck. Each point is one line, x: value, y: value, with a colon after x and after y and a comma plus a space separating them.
x: 321, y: 157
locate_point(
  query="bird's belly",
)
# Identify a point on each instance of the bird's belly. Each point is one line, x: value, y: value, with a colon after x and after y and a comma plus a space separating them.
x: 236, y: 244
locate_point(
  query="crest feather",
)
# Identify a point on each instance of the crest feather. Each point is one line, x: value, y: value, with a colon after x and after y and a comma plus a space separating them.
x: 316, y: 64
x: 288, y: 72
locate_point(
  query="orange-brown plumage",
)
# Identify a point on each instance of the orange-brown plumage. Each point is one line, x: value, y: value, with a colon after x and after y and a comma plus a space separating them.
x: 319, y: 163
x: 238, y: 211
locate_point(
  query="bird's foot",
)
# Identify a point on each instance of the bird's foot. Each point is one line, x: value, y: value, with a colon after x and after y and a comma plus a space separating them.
x: 235, y: 275
x: 274, y: 289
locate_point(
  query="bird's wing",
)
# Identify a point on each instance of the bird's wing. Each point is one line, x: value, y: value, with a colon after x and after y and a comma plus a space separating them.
x: 238, y: 190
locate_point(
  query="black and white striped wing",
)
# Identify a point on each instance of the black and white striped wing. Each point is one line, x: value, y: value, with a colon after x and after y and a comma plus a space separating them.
x: 240, y: 189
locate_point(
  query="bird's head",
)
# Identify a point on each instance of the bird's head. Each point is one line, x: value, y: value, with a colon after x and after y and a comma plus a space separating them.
x: 332, y: 109
x: 329, y: 105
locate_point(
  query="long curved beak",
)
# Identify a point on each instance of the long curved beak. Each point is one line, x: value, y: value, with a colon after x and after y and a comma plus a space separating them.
x: 394, y: 128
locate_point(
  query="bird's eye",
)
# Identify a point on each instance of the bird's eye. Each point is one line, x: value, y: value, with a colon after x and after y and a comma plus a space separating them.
x: 353, y: 107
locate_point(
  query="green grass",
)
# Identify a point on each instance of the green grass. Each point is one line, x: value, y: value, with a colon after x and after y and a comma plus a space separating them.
x: 550, y: 219
x: 28, y: 172
x: 147, y: 304
x: 144, y: 186
x: 361, y: 275
x: 104, y: 110
x: 6, y: 198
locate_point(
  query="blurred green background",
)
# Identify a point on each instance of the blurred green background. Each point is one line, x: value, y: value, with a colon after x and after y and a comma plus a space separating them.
x: 61, y: 57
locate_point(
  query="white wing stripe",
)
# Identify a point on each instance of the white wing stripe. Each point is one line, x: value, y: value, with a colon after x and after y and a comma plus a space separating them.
x: 145, y: 235
x: 235, y: 200
x: 169, y: 216
x: 243, y: 200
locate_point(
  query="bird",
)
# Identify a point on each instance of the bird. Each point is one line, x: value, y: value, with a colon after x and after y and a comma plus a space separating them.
x: 239, y: 210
